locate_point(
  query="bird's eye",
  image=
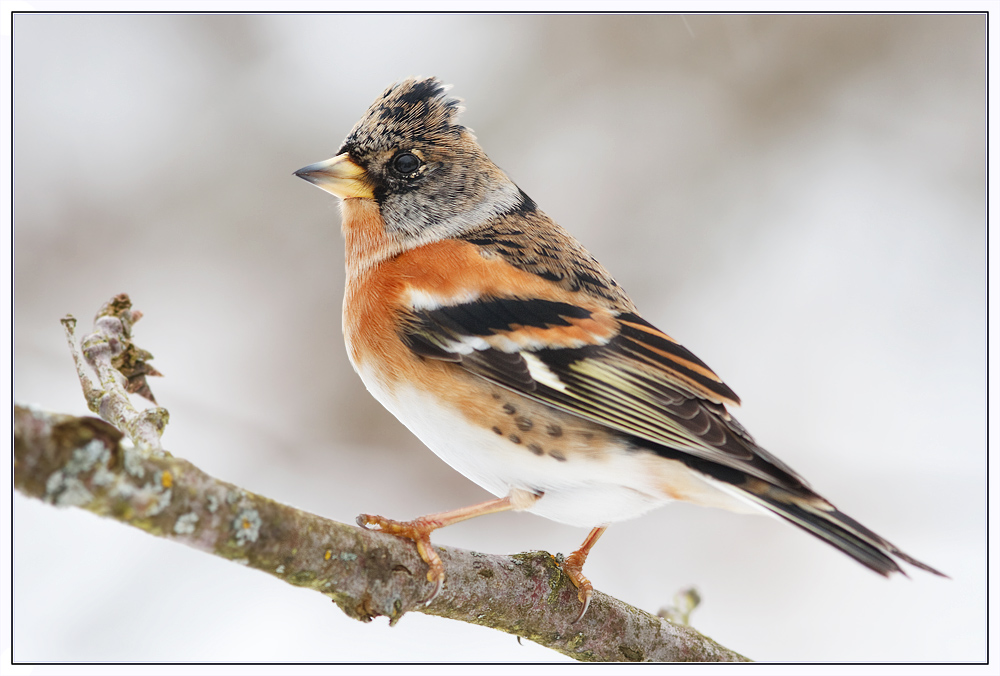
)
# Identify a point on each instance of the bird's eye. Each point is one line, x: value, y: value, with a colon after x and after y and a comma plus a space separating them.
x: 406, y: 163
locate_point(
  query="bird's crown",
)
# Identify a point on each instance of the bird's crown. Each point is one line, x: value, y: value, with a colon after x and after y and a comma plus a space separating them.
x: 409, y: 110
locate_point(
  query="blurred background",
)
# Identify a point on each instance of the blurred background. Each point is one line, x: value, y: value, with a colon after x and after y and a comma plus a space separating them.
x: 800, y: 200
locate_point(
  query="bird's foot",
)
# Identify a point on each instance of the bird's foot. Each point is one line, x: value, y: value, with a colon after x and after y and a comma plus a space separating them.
x: 572, y: 565
x: 419, y: 530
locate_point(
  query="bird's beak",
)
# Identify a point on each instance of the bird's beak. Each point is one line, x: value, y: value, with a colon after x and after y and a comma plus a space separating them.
x: 339, y: 176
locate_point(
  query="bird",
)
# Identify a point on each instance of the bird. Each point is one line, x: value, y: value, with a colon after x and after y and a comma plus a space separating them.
x: 491, y: 333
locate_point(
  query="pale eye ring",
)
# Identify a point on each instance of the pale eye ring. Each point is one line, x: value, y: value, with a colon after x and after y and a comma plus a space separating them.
x: 406, y: 163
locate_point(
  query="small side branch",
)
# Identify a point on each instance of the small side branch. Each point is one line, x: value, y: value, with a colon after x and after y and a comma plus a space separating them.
x: 121, y: 368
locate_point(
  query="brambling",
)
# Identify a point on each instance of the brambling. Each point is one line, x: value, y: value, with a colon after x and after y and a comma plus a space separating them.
x: 498, y: 340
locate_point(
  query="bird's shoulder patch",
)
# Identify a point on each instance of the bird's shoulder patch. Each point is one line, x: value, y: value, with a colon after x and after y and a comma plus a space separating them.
x: 531, y: 241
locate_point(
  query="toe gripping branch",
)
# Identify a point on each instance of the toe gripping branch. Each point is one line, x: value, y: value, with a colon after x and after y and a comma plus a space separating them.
x: 419, y: 530
x: 573, y: 567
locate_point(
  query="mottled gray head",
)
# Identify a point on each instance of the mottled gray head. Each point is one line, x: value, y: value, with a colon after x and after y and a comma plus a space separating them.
x: 424, y: 169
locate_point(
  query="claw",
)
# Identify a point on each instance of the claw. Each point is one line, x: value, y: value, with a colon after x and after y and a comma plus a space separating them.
x: 584, y: 596
x: 573, y: 567
x: 437, y: 590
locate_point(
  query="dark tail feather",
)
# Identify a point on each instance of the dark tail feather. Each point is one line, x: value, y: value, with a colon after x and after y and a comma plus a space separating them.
x: 839, y: 530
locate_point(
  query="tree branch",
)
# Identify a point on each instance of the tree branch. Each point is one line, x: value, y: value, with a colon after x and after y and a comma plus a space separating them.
x: 85, y: 462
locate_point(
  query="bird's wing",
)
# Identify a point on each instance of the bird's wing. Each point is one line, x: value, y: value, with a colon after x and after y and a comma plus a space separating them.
x: 613, y: 368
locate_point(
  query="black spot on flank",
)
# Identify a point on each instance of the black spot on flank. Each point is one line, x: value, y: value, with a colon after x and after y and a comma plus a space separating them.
x: 516, y: 439
x: 509, y: 409
x: 523, y: 424
x: 558, y: 455
x: 497, y: 430
x: 536, y: 449
x: 553, y: 430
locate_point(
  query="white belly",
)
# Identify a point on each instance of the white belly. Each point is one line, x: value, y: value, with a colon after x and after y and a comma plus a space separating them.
x: 585, y: 489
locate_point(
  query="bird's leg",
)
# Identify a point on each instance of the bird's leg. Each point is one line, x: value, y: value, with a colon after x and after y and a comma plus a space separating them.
x: 419, y: 530
x: 573, y: 567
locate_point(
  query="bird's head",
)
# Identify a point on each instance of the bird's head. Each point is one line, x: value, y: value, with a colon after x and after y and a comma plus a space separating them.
x: 428, y: 176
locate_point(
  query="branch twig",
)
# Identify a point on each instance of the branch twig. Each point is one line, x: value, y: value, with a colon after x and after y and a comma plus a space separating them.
x: 87, y: 463
x: 121, y: 367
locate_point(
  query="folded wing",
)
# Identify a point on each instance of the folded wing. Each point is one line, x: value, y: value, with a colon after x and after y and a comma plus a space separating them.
x: 612, y: 368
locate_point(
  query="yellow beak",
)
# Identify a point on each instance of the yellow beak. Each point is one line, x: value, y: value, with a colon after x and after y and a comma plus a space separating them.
x: 338, y: 176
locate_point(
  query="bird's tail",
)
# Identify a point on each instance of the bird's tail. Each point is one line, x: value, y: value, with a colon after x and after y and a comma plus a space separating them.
x: 817, y: 516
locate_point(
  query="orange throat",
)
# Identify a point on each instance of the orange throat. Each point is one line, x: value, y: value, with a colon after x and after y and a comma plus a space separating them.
x: 366, y: 239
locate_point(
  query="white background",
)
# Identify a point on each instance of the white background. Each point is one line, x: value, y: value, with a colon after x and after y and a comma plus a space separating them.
x: 800, y: 200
